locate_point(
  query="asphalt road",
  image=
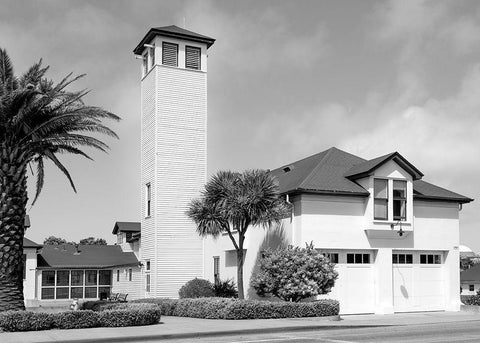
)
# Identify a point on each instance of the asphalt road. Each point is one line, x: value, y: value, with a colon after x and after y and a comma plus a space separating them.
x: 432, y: 333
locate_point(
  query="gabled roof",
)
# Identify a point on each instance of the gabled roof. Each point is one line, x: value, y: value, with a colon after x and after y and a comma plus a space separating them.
x: 366, y: 168
x: 126, y: 227
x: 87, y: 256
x: 471, y: 274
x: 27, y: 243
x: 334, y: 172
x: 173, y: 32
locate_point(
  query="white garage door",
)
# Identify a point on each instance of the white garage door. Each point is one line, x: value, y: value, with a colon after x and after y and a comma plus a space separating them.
x: 418, y: 281
x: 355, y: 287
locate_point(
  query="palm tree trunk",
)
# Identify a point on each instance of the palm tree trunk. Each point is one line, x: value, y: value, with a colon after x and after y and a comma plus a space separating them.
x: 241, y: 294
x: 13, y: 200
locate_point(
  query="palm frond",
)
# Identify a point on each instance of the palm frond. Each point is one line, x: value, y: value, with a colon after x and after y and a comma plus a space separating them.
x: 60, y: 166
x: 40, y: 179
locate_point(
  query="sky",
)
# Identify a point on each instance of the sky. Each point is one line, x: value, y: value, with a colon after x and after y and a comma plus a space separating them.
x: 286, y: 79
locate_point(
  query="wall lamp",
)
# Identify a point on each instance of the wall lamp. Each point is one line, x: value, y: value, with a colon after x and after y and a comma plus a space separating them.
x: 400, y: 232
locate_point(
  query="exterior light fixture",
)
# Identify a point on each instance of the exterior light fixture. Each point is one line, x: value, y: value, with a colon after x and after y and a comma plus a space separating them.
x: 400, y: 231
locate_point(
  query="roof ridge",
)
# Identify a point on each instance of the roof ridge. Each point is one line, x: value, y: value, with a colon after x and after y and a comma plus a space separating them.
x: 318, y: 166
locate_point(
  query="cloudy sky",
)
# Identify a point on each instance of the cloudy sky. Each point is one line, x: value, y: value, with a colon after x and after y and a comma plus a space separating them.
x: 287, y: 79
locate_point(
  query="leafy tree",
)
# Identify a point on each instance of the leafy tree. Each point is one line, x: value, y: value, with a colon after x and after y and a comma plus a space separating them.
x: 39, y: 120
x: 93, y: 241
x: 52, y: 240
x: 294, y: 273
x: 196, y: 288
x: 232, y: 202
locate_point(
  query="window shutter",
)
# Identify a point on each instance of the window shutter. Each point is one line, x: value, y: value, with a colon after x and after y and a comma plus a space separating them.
x: 170, y: 54
x: 192, y: 57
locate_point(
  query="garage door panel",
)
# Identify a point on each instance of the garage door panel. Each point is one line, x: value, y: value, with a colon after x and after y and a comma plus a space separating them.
x: 359, y: 290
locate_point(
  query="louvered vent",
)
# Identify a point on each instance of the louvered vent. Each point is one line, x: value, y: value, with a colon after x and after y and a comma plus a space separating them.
x: 170, y: 54
x: 192, y: 57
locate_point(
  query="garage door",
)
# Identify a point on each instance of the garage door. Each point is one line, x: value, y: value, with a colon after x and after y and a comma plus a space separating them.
x: 418, y: 281
x: 355, y: 287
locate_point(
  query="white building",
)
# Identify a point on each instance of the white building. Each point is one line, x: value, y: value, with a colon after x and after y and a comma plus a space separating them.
x: 394, y: 237
x: 173, y: 153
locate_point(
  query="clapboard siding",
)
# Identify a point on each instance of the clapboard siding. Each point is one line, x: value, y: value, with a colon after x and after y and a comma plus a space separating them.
x: 134, y: 288
x: 180, y: 172
x: 148, y: 160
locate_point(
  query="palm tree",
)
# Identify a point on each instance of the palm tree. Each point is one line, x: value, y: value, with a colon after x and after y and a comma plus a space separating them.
x: 232, y: 202
x: 38, y: 121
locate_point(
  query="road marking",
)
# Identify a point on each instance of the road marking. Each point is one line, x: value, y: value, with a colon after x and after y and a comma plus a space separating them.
x: 271, y: 340
x: 329, y: 340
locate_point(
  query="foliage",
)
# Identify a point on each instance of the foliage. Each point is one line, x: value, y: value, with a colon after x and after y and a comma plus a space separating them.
x: 196, y: 288
x: 39, y: 121
x: 228, y: 308
x: 93, y: 241
x: 471, y: 299
x: 294, y: 273
x: 225, y: 289
x: 93, y: 305
x: 116, y: 315
x: 468, y: 262
x: 53, y: 240
x: 26, y: 321
x: 235, y: 201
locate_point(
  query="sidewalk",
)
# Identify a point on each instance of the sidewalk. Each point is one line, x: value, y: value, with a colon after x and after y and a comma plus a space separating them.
x: 179, y: 327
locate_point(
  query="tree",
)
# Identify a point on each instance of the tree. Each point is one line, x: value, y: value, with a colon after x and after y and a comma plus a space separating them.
x: 232, y: 202
x: 93, y: 241
x: 294, y: 273
x: 39, y: 120
x: 52, y: 240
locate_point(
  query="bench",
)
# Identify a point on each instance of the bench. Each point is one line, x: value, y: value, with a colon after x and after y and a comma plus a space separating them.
x: 122, y: 297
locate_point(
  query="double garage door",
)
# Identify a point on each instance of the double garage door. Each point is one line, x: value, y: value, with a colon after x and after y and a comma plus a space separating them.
x: 418, y: 281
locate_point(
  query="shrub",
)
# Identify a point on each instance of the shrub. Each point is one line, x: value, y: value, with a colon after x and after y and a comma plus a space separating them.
x: 228, y: 308
x: 471, y: 299
x: 75, y: 319
x: 225, y: 289
x: 294, y: 273
x: 141, y: 314
x: 25, y: 321
x: 196, y: 288
x: 94, y: 305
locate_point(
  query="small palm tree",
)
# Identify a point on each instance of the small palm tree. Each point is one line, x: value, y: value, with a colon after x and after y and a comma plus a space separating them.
x: 38, y: 121
x: 232, y: 202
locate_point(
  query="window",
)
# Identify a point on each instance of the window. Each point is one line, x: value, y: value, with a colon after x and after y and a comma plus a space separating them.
x: 118, y: 275
x: 402, y: 259
x: 170, y: 54
x: 145, y: 63
x: 333, y: 257
x: 147, y: 265
x: 152, y: 57
x: 192, y: 57
x: 216, y: 268
x: 471, y: 288
x: 70, y: 284
x: 130, y: 274
x: 147, y: 282
x: 358, y: 258
x: 399, y: 200
x: 148, y: 200
x: 430, y: 259
x: 380, y: 189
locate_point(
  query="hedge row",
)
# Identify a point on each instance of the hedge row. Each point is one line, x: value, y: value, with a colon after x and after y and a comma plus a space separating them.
x: 471, y: 299
x: 225, y: 308
x: 135, y: 315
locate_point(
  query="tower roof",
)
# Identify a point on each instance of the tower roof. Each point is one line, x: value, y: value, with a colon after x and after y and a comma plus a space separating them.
x: 173, y: 32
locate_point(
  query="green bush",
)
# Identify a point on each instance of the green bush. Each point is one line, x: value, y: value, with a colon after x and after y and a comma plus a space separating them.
x: 94, y: 305
x: 196, y: 288
x: 225, y: 289
x: 228, y: 308
x: 75, y: 319
x: 108, y: 315
x: 25, y: 321
x: 294, y: 273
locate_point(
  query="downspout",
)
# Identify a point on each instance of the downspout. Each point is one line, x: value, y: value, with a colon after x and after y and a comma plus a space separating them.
x: 287, y: 200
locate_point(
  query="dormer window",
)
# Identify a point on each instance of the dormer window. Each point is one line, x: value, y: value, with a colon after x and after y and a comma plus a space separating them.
x: 380, y: 189
x: 170, y: 54
x: 399, y: 200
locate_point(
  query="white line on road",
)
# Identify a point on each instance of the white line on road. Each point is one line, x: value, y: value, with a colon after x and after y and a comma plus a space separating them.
x: 271, y: 340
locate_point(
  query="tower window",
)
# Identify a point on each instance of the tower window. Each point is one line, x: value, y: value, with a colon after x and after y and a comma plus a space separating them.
x: 380, y: 190
x: 216, y: 268
x: 152, y: 57
x: 192, y: 57
x: 145, y: 64
x: 148, y: 200
x: 399, y: 200
x: 170, y: 54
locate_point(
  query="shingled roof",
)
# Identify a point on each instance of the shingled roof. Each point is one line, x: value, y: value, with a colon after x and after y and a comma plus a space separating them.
x: 126, y: 227
x: 27, y: 243
x: 173, y: 32
x: 86, y: 256
x: 334, y: 171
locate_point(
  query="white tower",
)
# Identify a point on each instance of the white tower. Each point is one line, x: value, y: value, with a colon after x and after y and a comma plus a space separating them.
x: 174, y: 155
